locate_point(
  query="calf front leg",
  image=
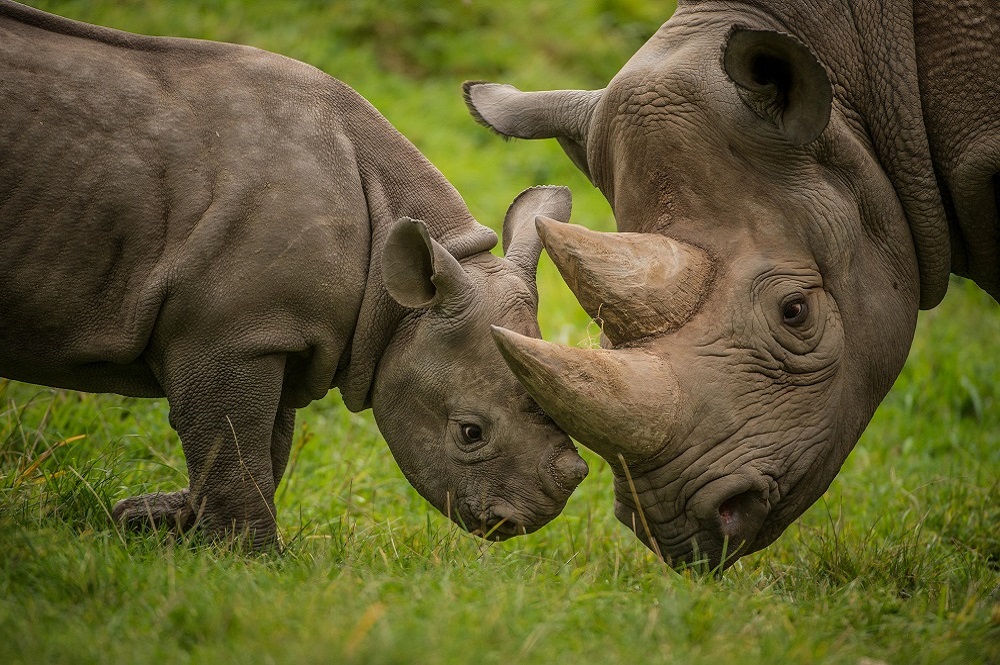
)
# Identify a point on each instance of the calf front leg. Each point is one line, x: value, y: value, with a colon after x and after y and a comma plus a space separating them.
x: 227, y: 416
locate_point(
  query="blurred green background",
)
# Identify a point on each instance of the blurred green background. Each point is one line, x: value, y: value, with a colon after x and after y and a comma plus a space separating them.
x: 898, y: 563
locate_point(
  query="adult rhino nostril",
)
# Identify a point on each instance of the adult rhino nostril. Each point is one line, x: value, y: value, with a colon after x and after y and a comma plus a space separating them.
x: 731, y: 512
x: 741, y: 516
x: 568, y: 469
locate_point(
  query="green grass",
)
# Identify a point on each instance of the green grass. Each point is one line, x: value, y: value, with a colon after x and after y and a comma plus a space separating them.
x: 898, y: 563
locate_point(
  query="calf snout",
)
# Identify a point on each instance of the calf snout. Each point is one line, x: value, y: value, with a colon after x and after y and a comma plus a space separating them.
x: 562, y: 472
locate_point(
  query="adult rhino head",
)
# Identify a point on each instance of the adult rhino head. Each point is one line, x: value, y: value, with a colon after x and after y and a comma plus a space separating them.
x: 728, y: 393
x: 459, y: 424
x: 783, y: 224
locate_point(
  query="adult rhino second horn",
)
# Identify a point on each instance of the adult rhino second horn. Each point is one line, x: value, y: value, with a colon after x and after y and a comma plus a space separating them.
x: 633, y: 284
x: 610, y: 400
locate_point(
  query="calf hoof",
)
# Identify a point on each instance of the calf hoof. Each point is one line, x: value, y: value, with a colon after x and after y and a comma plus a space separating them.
x: 177, y: 512
x: 156, y: 511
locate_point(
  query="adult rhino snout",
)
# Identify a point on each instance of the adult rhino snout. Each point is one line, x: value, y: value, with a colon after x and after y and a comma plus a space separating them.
x: 720, y: 522
x: 731, y: 512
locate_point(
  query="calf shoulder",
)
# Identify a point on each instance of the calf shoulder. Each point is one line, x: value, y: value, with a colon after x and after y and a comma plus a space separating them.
x: 169, y: 189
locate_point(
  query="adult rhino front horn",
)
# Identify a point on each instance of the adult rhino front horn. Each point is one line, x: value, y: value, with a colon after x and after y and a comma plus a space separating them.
x: 819, y: 187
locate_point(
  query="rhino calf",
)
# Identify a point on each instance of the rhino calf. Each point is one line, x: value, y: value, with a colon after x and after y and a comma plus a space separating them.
x: 240, y: 232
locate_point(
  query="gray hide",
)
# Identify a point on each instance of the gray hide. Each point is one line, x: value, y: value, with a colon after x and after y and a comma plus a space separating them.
x: 239, y: 232
x: 812, y: 172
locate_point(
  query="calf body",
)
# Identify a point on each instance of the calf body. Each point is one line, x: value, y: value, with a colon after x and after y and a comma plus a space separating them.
x: 210, y: 223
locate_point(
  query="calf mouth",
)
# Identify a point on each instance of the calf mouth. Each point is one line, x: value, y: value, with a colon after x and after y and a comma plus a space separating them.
x: 500, y: 522
x: 558, y: 476
x: 500, y: 530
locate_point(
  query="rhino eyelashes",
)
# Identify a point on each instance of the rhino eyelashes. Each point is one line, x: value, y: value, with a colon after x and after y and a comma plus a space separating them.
x: 795, y: 312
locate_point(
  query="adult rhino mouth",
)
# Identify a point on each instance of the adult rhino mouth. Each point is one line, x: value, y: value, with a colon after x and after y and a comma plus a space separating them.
x: 721, y: 522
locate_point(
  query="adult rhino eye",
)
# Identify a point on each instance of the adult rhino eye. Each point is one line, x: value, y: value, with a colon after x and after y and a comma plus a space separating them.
x: 472, y: 433
x: 795, y: 312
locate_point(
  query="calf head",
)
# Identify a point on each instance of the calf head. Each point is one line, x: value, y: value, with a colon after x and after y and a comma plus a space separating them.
x: 753, y: 326
x: 464, y: 431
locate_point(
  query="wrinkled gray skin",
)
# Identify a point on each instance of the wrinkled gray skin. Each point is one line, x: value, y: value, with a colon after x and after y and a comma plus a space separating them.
x: 811, y: 171
x: 238, y: 232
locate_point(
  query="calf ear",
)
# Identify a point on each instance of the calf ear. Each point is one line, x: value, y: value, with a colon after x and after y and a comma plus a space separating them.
x: 560, y: 114
x: 521, y: 244
x: 780, y: 80
x: 418, y: 272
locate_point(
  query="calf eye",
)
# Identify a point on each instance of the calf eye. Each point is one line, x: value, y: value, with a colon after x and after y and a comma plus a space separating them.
x: 471, y: 432
x: 794, y: 312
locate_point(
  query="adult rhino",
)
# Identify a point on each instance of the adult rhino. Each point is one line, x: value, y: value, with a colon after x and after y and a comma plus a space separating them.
x: 793, y: 180
x: 240, y: 232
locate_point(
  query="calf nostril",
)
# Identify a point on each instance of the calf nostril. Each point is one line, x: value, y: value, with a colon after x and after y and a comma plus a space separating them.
x: 569, y: 469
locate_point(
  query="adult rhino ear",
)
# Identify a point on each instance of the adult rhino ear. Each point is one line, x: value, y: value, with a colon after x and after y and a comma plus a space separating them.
x: 418, y: 272
x: 521, y: 244
x: 780, y: 80
x: 560, y: 114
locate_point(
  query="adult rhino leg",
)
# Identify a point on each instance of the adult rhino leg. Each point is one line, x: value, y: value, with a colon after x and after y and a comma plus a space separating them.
x: 236, y: 442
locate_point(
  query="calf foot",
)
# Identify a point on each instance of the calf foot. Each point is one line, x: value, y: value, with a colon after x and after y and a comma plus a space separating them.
x: 159, y: 510
x: 176, y: 511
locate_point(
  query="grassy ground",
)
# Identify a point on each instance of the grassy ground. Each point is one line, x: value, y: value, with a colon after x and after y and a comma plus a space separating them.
x: 899, y: 563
